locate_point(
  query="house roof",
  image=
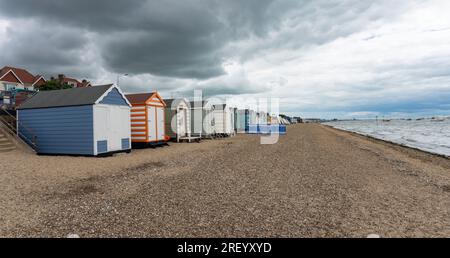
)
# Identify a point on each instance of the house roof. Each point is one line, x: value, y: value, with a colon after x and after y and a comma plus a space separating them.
x: 64, y: 98
x: 169, y: 102
x: 37, y: 78
x: 85, y: 84
x: 141, y: 98
x: 72, y: 81
x: 23, y: 75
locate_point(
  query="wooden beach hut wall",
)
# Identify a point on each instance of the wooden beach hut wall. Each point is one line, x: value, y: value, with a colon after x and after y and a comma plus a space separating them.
x: 253, y: 117
x: 250, y: 119
x: 241, y: 120
x: 224, y: 119
x: 147, y: 118
x: 81, y: 121
x: 202, y: 119
x: 262, y: 118
x: 178, y: 119
x: 235, y: 117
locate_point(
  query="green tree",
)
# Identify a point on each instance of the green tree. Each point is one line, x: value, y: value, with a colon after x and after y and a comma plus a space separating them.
x: 53, y: 85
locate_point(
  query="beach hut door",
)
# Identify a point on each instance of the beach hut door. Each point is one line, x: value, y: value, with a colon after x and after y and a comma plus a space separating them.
x: 161, y: 130
x: 151, y: 124
x: 182, y: 122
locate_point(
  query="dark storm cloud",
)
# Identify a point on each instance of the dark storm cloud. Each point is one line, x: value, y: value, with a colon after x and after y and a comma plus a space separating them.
x: 95, y: 15
x: 169, y: 38
x: 46, y: 50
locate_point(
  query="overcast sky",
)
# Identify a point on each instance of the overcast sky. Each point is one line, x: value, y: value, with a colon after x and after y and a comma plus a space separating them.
x: 327, y: 58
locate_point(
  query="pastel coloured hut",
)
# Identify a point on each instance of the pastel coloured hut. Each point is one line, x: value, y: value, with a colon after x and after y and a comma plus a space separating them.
x: 202, y: 119
x: 250, y: 119
x: 81, y: 121
x: 147, y: 118
x: 224, y: 120
x: 261, y: 118
x: 178, y: 123
x: 240, y: 120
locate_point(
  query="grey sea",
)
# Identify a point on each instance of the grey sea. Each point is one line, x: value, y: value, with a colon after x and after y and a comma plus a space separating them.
x: 431, y: 135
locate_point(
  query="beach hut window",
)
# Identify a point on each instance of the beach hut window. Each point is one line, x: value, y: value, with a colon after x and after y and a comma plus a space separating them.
x: 102, y: 146
x: 125, y: 143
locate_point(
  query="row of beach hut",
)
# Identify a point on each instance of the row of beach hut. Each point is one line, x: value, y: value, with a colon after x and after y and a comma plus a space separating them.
x: 103, y: 120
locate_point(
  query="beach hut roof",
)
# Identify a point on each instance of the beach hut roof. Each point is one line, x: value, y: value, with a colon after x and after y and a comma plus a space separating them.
x: 177, y: 101
x: 198, y: 103
x: 144, y: 98
x: 169, y: 102
x: 68, y: 97
x: 220, y: 106
x: 201, y: 104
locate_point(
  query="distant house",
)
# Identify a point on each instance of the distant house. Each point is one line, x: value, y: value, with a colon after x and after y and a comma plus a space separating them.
x: 17, y: 82
x: 74, y: 83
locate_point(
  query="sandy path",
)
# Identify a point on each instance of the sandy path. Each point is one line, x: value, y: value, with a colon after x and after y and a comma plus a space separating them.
x: 316, y: 182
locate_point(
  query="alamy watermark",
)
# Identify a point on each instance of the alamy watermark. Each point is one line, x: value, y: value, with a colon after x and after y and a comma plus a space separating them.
x: 217, y: 117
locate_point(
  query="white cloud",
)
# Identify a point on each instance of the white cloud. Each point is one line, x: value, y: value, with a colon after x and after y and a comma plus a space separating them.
x: 387, y: 60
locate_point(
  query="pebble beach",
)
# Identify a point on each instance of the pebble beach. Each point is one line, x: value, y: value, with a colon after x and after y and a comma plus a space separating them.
x: 315, y: 182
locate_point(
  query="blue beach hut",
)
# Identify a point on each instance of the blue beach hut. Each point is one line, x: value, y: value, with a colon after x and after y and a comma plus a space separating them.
x: 88, y: 121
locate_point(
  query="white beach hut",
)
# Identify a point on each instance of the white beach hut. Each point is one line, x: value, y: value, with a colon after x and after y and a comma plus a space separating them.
x: 262, y: 118
x: 224, y: 120
x: 178, y: 117
x: 202, y: 119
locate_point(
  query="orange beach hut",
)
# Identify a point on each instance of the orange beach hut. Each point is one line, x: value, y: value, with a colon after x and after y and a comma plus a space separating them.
x: 147, y: 118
